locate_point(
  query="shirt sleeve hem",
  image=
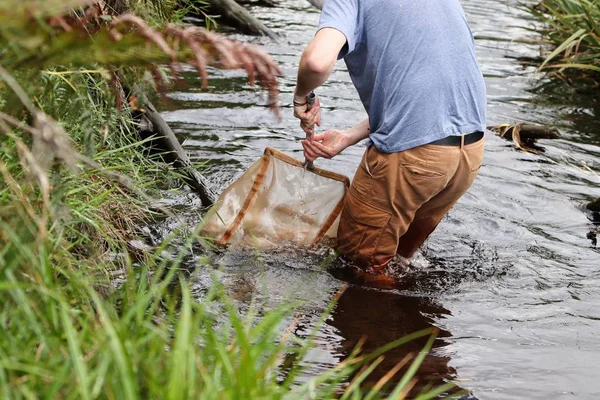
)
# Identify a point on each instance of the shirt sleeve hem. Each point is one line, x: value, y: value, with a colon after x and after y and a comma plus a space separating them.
x: 348, y: 47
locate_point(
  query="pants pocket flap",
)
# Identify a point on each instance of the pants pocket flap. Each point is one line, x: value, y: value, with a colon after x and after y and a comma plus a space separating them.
x: 365, y: 213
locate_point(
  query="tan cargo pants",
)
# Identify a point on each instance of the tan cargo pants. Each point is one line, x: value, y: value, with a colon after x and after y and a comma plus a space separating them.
x: 396, y: 200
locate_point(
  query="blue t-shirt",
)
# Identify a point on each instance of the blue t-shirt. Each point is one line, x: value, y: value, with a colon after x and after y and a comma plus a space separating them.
x: 414, y: 66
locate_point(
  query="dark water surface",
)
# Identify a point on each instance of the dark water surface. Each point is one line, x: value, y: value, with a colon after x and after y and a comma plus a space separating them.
x: 511, y: 277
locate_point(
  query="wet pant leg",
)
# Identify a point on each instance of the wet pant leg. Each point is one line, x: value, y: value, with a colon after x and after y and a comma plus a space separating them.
x: 431, y: 213
x: 391, y: 191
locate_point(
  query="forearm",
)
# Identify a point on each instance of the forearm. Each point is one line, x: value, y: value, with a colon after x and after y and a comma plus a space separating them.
x: 358, y: 132
x: 318, y: 60
x: 309, y: 78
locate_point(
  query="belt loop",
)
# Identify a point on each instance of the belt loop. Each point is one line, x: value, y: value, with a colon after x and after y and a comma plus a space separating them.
x: 462, y: 141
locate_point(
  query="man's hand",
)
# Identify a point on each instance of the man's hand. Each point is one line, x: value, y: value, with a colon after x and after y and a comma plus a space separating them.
x: 316, y: 64
x: 309, y: 115
x: 327, y: 144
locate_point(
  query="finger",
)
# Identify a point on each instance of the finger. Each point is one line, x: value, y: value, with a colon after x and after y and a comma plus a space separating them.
x: 327, y: 152
x: 308, y: 157
x: 319, y: 137
x: 308, y: 146
x: 320, y: 147
x: 308, y: 127
x: 302, y: 117
x: 316, y: 150
x: 312, y: 116
x: 308, y: 151
x: 299, y: 111
x: 316, y: 119
x: 316, y: 116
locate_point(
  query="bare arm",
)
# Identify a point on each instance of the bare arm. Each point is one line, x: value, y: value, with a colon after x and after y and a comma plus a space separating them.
x: 318, y: 60
x: 358, y: 132
x: 315, y: 67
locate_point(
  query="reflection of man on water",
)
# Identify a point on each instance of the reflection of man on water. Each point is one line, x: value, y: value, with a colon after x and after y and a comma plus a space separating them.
x: 414, y: 66
x: 382, y: 317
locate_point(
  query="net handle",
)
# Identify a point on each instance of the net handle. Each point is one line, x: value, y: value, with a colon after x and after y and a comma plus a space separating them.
x: 310, y: 99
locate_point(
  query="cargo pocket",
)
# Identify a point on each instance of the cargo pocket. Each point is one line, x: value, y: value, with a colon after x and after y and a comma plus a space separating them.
x: 360, y: 231
x: 475, y: 156
x: 473, y: 172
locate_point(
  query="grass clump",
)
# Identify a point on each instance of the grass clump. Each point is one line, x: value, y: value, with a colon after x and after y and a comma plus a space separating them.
x: 572, y: 29
x: 81, y: 319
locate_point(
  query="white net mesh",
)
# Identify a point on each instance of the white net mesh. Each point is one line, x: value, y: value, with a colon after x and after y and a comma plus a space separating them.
x: 277, y: 201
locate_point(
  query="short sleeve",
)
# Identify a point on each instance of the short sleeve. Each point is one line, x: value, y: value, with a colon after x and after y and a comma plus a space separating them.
x: 342, y: 15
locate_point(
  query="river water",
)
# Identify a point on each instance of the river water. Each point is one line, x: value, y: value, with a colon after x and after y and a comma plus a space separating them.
x: 511, y: 277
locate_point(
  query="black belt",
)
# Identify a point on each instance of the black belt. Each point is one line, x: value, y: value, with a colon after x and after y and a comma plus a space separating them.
x: 456, y: 140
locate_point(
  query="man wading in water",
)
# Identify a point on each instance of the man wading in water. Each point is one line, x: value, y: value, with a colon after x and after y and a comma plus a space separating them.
x: 414, y: 66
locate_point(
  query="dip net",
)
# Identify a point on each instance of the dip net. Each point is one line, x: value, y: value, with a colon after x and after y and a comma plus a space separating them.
x: 277, y: 201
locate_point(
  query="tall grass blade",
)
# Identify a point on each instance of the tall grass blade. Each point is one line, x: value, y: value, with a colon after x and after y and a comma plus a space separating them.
x: 577, y: 66
x: 563, y: 47
x: 76, y: 355
x: 412, y: 370
x: 117, y: 349
x: 179, y: 381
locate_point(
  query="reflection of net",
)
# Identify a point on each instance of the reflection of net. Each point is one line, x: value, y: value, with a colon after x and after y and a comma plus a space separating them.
x: 277, y: 201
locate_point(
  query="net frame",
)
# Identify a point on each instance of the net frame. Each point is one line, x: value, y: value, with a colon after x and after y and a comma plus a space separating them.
x: 254, y: 192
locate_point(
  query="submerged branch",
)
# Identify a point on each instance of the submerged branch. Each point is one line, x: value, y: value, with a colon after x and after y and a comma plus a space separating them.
x: 238, y: 17
x: 163, y: 140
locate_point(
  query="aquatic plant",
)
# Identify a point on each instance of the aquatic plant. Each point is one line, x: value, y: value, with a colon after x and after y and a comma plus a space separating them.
x: 572, y: 29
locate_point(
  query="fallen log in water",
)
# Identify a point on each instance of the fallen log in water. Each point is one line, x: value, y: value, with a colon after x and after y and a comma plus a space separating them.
x: 525, y: 135
x: 526, y: 131
x: 163, y: 140
x: 261, y: 3
x: 236, y: 16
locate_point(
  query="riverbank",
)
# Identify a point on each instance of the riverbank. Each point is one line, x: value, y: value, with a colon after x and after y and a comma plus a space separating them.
x: 511, y: 283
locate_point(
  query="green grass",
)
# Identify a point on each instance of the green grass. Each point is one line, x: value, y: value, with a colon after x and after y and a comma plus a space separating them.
x: 572, y: 29
x: 150, y: 339
x: 71, y: 331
